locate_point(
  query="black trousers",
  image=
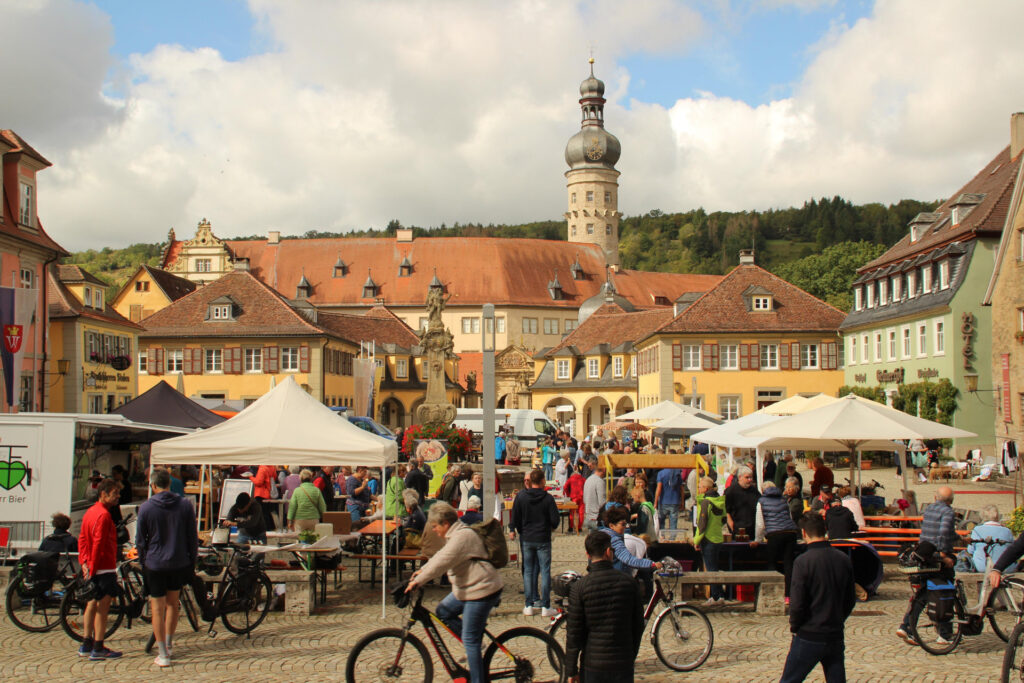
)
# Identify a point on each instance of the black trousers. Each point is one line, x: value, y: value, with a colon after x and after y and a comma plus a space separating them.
x: 782, y: 548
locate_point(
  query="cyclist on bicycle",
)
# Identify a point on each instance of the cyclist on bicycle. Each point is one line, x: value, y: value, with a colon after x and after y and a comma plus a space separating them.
x: 1009, y: 558
x: 938, y: 528
x: 476, y: 584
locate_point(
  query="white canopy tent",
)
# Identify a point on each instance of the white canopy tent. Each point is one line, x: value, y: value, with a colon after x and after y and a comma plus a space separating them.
x: 286, y: 426
x: 665, y: 410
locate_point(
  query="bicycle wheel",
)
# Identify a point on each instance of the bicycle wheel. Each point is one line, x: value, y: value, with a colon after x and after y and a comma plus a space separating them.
x: 389, y: 654
x: 140, y: 599
x: 1005, y: 607
x: 524, y: 654
x: 682, y: 637
x: 36, y: 614
x: 557, y: 631
x: 1013, y: 656
x: 72, y: 614
x: 938, y: 638
x: 245, y: 603
x: 188, y: 606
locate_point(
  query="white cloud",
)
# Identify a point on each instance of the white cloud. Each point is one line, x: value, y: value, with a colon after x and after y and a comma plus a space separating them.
x: 451, y: 111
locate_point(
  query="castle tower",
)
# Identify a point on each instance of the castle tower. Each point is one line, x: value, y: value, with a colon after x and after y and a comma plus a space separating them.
x: 592, y: 181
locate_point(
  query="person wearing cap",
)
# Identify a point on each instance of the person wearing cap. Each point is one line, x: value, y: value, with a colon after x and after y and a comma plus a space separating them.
x: 824, y: 500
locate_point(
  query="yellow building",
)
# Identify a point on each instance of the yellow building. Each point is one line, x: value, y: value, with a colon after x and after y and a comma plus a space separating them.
x: 590, y: 377
x: 751, y: 341
x: 149, y: 290
x: 95, y: 342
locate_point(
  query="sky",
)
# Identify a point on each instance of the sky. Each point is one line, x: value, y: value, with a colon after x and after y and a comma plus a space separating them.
x: 299, y: 115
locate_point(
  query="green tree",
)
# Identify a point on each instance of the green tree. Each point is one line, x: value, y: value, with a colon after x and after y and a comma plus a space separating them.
x: 830, y: 274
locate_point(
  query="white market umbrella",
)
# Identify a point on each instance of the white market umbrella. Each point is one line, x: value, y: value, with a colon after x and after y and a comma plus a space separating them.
x: 852, y: 424
x: 684, y: 423
x: 819, y: 401
x: 787, y: 406
x: 665, y: 410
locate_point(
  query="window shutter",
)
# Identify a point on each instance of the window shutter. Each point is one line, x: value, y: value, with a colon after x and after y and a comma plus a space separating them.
x: 705, y: 356
x: 794, y: 353
x: 784, y: 358
x: 744, y: 357
x: 238, y: 360
x: 714, y: 356
x: 304, y: 358
x: 159, y: 361
x: 755, y: 356
x: 186, y: 361
x: 270, y: 359
x: 677, y: 356
x: 233, y: 359
x: 150, y: 360
x: 833, y: 360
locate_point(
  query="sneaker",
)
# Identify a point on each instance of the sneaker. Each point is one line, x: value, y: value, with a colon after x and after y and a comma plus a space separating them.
x: 548, y: 611
x: 939, y: 640
x: 162, y: 661
x: 711, y: 602
x: 907, y: 638
x: 528, y: 611
x: 105, y: 653
x: 85, y: 650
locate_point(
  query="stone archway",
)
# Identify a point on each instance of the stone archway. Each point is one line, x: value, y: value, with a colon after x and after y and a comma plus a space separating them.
x: 562, y: 411
x: 391, y: 413
x: 596, y: 412
x: 624, y: 405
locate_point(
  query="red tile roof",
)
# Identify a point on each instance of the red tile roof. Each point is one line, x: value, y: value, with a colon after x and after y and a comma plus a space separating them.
x: 9, y: 210
x: 261, y: 312
x: 724, y: 308
x: 62, y: 304
x: 612, y: 326
x: 475, y: 270
x: 75, y: 274
x: 19, y: 145
x: 378, y: 325
x: 995, y: 181
x: 170, y: 284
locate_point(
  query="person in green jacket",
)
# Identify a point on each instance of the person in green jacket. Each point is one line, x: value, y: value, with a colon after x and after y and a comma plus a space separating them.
x: 394, y: 503
x: 307, y: 505
x: 710, y: 520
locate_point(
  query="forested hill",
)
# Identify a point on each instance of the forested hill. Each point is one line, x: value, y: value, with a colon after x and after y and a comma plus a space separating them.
x: 816, y: 246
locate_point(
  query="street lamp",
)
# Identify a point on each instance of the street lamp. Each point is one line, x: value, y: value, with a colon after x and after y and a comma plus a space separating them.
x: 487, y: 346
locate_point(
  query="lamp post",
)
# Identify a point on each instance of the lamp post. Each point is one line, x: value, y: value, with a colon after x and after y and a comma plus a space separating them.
x: 487, y: 346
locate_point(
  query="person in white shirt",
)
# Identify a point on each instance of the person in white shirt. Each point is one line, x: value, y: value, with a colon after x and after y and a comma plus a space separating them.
x: 562, y: 469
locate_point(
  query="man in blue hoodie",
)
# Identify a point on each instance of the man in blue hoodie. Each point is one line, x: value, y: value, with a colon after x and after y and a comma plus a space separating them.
x: 534, y: 516
x: 167, y: 542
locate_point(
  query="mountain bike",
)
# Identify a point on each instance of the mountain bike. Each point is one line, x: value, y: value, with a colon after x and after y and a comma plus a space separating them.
x: 32, y: 602
x: 681, y: 633
x: 519, y: 654
x: 946, y: 616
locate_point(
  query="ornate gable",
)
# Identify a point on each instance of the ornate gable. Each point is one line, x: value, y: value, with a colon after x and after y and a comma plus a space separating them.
x: 513, y: 358
x: 203, y: 258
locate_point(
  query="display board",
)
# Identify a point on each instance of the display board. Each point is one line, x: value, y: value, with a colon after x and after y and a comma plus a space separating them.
x: 229, y: 493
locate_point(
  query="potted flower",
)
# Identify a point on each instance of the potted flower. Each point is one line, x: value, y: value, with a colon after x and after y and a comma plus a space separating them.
x: 1019, y: 336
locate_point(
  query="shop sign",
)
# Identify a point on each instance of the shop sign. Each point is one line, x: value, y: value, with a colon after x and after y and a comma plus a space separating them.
x: 967, y: 321
x: 890, y: 376
x: 860, y: 378
x: 1007, y: 408
x: 927, y: 373
x: 101, y: 379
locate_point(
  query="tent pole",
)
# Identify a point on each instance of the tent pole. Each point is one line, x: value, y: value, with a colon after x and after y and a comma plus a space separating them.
x: 860, y: 474
x: 384, y: 543
x: 902, y: 455
x: 199, y: 517
x: 759, y: 460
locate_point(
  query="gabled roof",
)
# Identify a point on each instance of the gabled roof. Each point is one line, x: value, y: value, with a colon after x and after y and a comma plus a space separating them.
x: 18, y: 144
x: 171, y: 285
x: 474, y: 270
x: 724, y: 309
x: 262, y: 312
x: 72, y: 274
x: 995, y: 182
x: 62, y: 304
x: 36, y: 235
x: 611, y: 328
x: 378, y: 325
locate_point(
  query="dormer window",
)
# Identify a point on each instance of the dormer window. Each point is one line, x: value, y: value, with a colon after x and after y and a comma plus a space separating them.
x: 555, y: 289
x: 87, y: 297
x: 919, y: 224
x: 340, y: 268
x: 944, y: 274
x: 912, y: 284
x: 757, y: 298
x: 576, y: 269
x: 370, y: 288
x: 963, y: 205
x: 883, y: 292
x: 220, y: 312
x: 303, y: 289
x: 869, y: 294
x: 762, y: 303
x: 858, y: 298
x: 897, y: 287
x: 405, y: 268
x: 26, y: 204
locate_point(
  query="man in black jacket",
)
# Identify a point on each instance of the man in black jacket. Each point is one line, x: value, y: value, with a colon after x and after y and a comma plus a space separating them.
x: 822, y: 597
x: 416, y: 479
x: 605, y: 621
x: 534, y: 516
x: 741, y: 503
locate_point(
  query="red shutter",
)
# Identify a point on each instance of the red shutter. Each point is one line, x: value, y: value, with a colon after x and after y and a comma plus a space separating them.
x: 304, y: 358
x: 784, y: 358
x: 233, y: 360
x: 677, y: 356
x: 714, y: 356
x: 705, y: 356
x: 270, y: 359
x: 755, y: 356
x: 794, y: 352
x: 744, y: 357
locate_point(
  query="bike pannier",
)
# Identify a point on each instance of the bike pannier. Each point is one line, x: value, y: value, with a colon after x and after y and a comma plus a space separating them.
x: 940, y: 600
x: 38, y: 571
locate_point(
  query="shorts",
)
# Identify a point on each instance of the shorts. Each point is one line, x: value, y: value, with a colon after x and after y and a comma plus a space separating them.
x: 159, y: 581
x: 106, y: 584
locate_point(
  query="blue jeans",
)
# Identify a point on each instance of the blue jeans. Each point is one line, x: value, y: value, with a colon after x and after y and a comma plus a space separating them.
x: 469, y: 618
x: 353, y: 511
x: 804, y: 655
x: 710, y: 552
x: 243, y: 537
x: 549, y: 471
x: 537, y: 559
x: 671, y: 513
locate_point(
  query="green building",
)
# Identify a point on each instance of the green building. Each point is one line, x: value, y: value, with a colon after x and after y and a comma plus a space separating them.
x: 917, y: 314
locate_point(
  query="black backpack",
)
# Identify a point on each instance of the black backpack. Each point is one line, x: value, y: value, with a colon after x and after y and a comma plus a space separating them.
x: 38, y: 571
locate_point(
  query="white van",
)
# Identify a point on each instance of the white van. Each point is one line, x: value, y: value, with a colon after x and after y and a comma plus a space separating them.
x: 527, y: 425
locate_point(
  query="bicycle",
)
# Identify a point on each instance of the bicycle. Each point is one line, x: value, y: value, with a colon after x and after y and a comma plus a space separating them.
x: 678, y: 624
x: 131, y: 602
x: 947, y: 609
x: 32, y: 603
x: 519, y: 654
x: 241, y: 602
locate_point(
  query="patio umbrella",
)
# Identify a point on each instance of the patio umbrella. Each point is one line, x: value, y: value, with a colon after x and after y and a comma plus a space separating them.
x: 851, y: 423
x: 665, y: 410
x: 683, y: 424
x: 619, y: 425
x: 787, y: 406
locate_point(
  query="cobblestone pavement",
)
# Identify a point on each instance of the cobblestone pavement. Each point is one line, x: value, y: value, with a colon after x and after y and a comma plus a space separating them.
x: 748, y: 647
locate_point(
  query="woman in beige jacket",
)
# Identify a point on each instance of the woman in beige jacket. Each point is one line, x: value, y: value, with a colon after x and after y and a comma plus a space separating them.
x: 476, y: 584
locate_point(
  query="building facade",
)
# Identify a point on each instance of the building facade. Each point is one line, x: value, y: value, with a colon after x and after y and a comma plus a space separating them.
x: 148, y: 290
x: 918, y: 315
x: 97, y: 343
x: 26, y: 252
x: 751, y: 341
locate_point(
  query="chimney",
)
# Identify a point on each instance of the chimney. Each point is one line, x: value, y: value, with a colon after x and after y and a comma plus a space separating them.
x: 1016, y: 134
x: 403, y: 235
x: 241, y: 264
x: 273, y: 237
x: 746, y: 257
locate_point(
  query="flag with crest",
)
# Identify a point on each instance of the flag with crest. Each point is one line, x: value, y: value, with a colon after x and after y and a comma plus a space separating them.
x: 17, y: 308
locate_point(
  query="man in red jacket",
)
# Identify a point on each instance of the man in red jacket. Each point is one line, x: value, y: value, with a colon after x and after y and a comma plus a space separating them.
x: 97, y: 553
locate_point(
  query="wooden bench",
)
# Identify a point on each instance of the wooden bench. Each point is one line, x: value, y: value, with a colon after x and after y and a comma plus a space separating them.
x: 299, y: 589
x: 409, y: 555
x: 771, y: 586
x: 890, y: 541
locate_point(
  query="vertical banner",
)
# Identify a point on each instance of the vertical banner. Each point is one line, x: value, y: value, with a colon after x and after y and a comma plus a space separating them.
x: 17, y: 307
x: 1007, y: 403
x: 363, y: 377
x: 435, y: 456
